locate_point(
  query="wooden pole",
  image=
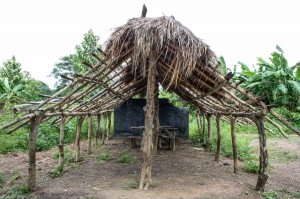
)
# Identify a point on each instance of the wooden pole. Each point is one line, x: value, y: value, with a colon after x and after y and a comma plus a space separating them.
x: 97, y: 129
x: 209, y: 131
x: 90, y: 129
x: 108, y: 126
x: 203, y: 128
x: 77, y: 140
x: 104, y: 127
x: 156, y: 118
x: 263, y: 157
x: 198, y: 123
x: 234, y: 145
x: 61, y: 143
x: 34, y: 124
x: 217, y: 156
x: 147, y: 141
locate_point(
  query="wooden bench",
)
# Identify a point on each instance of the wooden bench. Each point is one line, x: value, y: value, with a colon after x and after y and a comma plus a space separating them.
x: 168, y: 134
x: 133, y: 139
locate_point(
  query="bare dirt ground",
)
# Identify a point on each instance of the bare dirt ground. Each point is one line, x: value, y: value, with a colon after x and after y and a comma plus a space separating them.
x: 187, y: 173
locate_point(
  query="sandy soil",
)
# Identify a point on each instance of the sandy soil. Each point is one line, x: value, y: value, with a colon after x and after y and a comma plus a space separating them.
x: 187, y: 173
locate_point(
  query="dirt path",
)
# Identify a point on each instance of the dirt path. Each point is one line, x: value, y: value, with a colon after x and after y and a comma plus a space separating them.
x: 187, y: 173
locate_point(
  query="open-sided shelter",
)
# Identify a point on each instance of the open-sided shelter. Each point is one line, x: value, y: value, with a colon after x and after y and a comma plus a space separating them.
x: 140, y: 55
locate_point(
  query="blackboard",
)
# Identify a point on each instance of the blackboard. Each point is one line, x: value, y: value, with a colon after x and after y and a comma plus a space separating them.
x: 131, y: 113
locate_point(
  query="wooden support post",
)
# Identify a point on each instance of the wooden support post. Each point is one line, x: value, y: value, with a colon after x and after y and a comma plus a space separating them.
x: 61, y: 143
x: 147, y: 141
x: 209, y: 132
x: 34, y: 124
x: 203, y: 128
x: 217, y: 156
x: 156, y: 118
x: 104, y: 128
x: 108, y: 126
x: 263, y: 157
x: 234, y: 145
x: 97, y: 129
x: 90, y: 129
x: 198, y: 123
x: 77, y: 140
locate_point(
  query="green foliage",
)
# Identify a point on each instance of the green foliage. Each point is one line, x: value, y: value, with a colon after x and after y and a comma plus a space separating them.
x: 104, y: 156
x: 57, y: 172
x: 68, y: 156
x: 11, y: 70
x: 131, y: 184
x: 34, y: 88
x: 270, y: 195
x: 245, y: 151
x: 252, y: 165
x: 73, y: 63
x: 275, y: 82
x: 126, y: 157
x: 10, y: 93
x: 17, y: 192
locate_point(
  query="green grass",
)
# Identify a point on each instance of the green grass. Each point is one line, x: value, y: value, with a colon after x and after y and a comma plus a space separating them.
x: 20, y: 191
x: 126, y: 157
x: 103, y: 156
x: 270, y: 195
x: 131, y: 184
x: 68, y: 155
x: 57, y: 172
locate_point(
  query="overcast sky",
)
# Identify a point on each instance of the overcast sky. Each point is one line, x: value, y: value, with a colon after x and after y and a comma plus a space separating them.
x: 39, y: 32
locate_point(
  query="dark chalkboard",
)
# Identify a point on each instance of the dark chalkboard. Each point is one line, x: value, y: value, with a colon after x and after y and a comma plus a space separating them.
x: 131, y: 113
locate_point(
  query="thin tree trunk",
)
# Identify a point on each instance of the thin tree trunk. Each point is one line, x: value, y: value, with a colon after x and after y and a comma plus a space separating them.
x: 203, y: 128
x: 104, y: 127
x: 34, y: 124
x: 109, y: 126
x: 198, y: 123
x: 234, y: 145
x: 263, y: 157
x: 61, y: 143
x: 90, y: 129
x: 77, y: 140
x: 209, y: 132
x: 217, y: 156
x: 147, y: 141
x: 97, y: 129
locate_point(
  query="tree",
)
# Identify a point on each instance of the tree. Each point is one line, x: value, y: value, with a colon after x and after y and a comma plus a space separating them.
x: 73, y: 63
x: 275, y: 83
x: 35, y: 87
x: 9, y: 93
x: 11, y: 69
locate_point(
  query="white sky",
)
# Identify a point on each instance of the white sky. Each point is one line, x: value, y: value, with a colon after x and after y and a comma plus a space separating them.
x: 39, y: 32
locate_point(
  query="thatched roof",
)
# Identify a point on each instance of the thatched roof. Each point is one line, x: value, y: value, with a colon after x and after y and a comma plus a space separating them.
x: 173, y: 43
x: 185, y: 64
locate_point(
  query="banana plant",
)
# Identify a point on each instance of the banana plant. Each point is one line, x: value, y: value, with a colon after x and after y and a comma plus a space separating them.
x: 274, y: 82
x: 8, y: 93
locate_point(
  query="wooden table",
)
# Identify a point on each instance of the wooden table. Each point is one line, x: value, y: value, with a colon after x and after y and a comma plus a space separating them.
x: 166, y: 133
